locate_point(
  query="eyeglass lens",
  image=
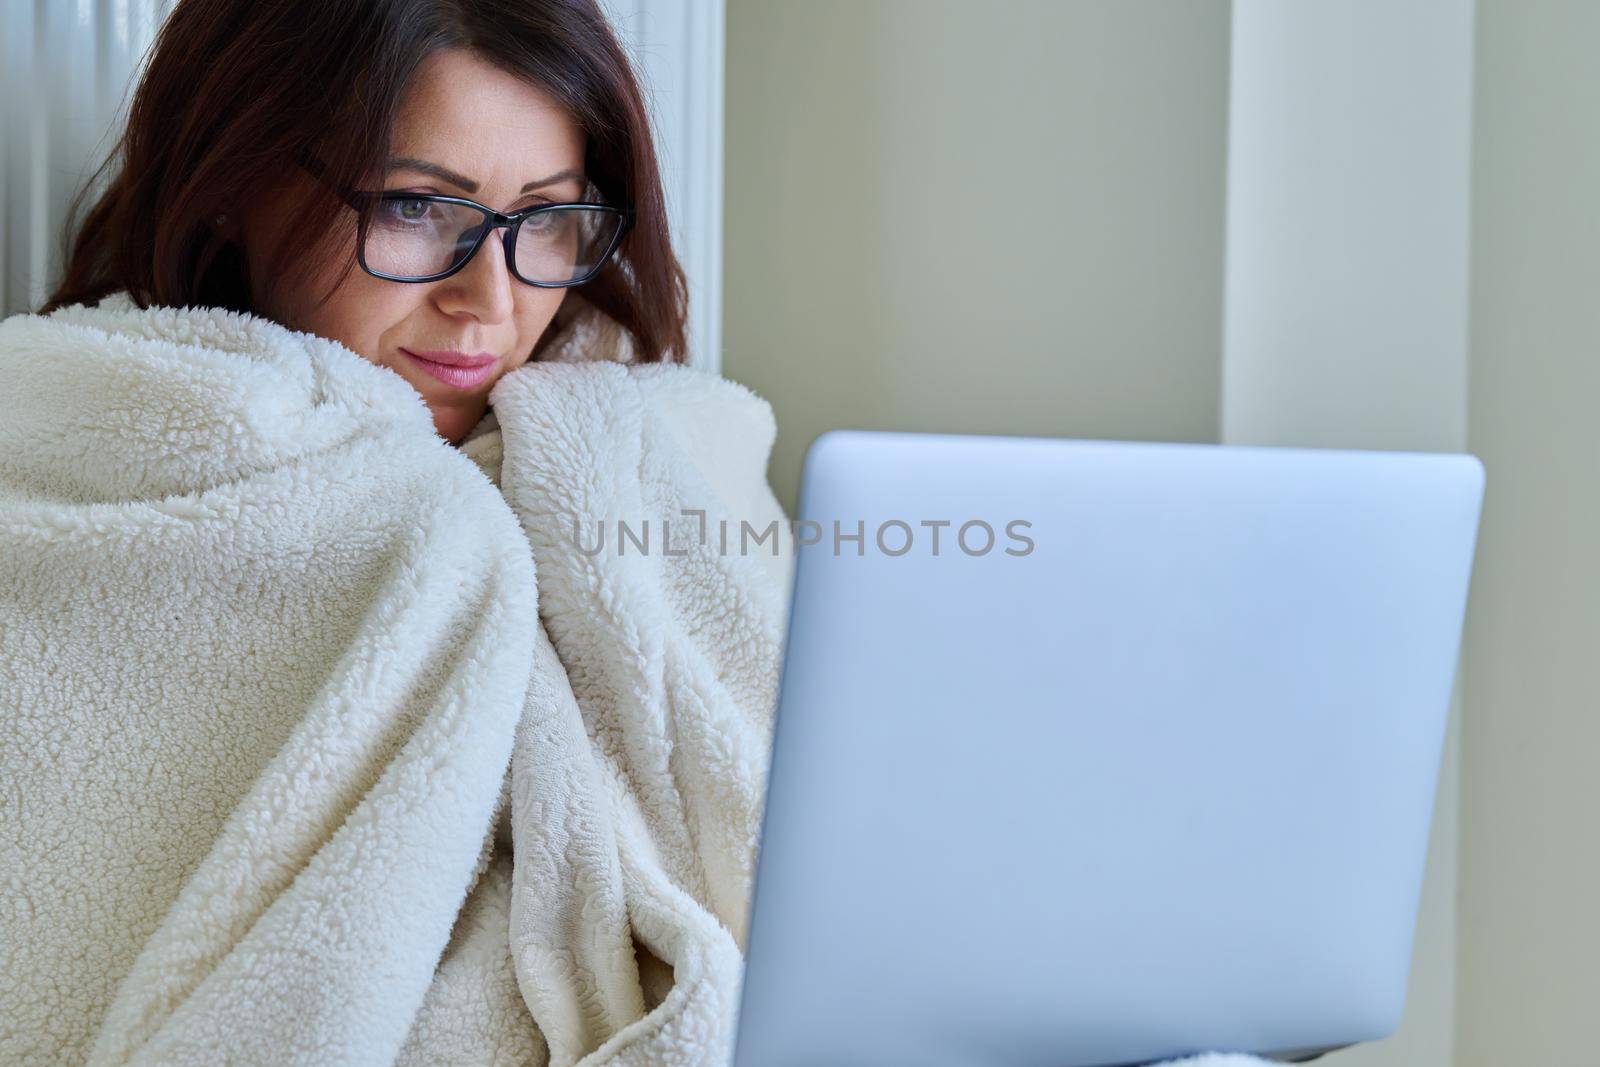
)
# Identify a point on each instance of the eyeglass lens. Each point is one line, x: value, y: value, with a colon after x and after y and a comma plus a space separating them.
x: 421, y: 238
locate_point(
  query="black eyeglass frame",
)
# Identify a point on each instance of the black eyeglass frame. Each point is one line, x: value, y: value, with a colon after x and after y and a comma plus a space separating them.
x: 359, y: 200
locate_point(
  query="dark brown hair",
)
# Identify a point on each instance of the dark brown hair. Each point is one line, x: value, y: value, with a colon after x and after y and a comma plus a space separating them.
x: 237, y: 90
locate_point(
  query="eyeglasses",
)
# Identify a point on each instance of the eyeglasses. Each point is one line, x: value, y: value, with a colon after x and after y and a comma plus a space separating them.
x: 425, y: 237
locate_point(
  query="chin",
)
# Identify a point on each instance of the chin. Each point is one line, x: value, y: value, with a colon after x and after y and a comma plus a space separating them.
x: 455, y: 421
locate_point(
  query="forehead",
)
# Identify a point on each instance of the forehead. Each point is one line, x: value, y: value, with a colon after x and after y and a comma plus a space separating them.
x: 500, y: 129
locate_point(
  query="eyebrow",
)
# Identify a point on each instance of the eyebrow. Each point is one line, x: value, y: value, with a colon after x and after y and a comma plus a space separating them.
x: 423, y: 166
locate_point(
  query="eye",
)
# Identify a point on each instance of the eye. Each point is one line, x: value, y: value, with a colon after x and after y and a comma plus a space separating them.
x: 406, y: 211
x: 542, y: 220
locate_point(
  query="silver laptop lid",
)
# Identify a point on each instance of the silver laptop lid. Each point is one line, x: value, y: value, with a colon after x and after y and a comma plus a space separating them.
x: 1145, y: 769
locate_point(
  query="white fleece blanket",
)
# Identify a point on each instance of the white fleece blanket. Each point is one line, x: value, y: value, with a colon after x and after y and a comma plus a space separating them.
x: 306, y: 762
x: 284, y: 695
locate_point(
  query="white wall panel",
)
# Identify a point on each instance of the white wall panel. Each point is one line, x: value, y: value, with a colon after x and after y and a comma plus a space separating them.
x: 1346, y: 297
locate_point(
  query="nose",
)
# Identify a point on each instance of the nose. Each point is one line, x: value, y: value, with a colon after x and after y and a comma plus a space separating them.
x: 482, y: 288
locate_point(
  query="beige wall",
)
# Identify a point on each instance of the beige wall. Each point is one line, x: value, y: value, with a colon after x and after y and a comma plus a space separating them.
x: 975, y: 217
x: 1530, y: 846
x: 864, y: 287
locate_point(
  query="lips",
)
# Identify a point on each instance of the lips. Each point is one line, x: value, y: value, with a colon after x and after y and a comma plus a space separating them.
x: 456, y: 369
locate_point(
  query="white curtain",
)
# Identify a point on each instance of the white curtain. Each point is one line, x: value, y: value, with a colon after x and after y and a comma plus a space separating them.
x: 68, y: 66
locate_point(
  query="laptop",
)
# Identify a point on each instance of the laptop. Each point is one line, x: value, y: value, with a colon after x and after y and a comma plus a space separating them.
x: 1096, y: 753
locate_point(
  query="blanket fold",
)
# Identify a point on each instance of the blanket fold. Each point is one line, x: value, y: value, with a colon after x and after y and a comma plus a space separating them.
x: 673, y: 652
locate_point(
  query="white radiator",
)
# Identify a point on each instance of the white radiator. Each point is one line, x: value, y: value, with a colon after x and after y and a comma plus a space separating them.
x: 66, y: 67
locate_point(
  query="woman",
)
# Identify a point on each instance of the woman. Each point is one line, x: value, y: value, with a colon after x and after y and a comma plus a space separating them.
x: 325, y: 740
x: 519, y: 106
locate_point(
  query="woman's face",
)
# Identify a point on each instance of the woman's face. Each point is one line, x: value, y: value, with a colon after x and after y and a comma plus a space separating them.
x: 469, y: 129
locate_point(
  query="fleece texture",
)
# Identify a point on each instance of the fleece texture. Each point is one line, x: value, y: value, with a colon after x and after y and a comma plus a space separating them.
x: 326, y: 742
x: 294, y: 771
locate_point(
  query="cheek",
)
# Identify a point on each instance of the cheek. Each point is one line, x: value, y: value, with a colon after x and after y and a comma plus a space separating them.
x: 534, y: 315
x: 362, y: 312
